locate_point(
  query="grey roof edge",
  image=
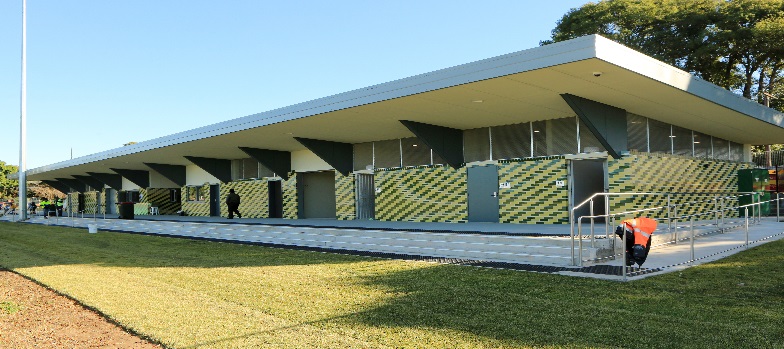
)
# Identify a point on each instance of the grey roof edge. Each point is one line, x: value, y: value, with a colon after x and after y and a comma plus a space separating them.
x: 627, y: 58
x: 530, y: 59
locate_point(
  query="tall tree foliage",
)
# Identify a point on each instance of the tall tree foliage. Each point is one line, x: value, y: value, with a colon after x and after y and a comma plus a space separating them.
x: 736, y: 44
x: 8, y: 187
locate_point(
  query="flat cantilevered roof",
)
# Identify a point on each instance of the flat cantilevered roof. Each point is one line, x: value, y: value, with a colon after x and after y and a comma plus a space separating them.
x: 514, y: 88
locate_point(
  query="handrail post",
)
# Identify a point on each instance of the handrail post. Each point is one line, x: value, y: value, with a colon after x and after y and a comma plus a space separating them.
x: 675, y: 230
x: 571, y: 233
x: 692, y: 239
x: 592, y: 222
x: 747, y: 226
x: 669, y: 215
x: 759, y: 208
x: 607, y: 222
x: 580, y: 241
x: 723, y: 213
x: 718, y: 210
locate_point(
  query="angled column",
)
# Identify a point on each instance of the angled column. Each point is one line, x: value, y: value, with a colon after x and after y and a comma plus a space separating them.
x: 65, y: 189
x: 138, y: 177
x: 90, y: 181
x: 338, y: 155
x: 113, y: 180
x: 606, y: 122
x: 174, y: 173
x: 219, y: 168
x: 446, y: 142
x: 73, y: 184
x: 275, y: 160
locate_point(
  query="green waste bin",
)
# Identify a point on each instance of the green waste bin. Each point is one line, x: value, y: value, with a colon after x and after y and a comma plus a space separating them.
x: 754, y: 180
x: 126, y: 210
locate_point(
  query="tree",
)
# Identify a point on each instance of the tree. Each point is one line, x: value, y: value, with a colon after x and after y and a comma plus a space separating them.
x: 735, y: 44
x: 9, y: 188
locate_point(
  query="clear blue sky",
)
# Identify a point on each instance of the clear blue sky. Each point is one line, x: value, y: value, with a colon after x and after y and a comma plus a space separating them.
x: 106, y: 72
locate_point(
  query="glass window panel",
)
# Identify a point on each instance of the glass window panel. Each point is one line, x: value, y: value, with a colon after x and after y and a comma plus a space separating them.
x: 659, y: 136
x: 250, y: 168
x: 637, y: 129
x: 721, y: 149
x: 702, y: 145
x: 476, y: 144
x: 682, y: 141
x: 415, y: 152
x: 511, y: 141
x: 539, y: 129
x: 588, y: 142
x: 387, y: 153
x: 562, y: 136
x: 363, y: 156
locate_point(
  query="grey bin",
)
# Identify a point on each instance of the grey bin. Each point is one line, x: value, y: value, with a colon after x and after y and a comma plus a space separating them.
x: 126, y: 210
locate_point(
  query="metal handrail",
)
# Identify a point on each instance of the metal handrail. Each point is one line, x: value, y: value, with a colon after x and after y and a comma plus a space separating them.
x: 609, y: 218
x: 723, y: 195
x: 758, y: 202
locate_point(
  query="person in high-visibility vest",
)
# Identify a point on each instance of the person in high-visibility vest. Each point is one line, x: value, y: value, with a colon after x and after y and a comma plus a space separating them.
x: 639, y: 232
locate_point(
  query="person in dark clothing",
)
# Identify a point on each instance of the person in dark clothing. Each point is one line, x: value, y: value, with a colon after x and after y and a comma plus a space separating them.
x: 233, y: 202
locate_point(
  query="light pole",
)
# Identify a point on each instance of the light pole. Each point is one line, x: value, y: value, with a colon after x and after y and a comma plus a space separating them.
x: 23, y: 119
x: 768, y: 152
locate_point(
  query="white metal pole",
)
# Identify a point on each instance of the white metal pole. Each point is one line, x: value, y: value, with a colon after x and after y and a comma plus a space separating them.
x: 23, y: 121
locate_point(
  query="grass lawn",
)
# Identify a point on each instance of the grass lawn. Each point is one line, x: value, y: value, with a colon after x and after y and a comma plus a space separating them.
x: 198, y: 294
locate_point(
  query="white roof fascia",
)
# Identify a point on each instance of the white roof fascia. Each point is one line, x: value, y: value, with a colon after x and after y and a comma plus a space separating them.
x: 512, y: 63
x: 624, y: 57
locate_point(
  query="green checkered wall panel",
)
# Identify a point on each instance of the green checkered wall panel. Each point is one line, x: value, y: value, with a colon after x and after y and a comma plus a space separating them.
x: 671, y: 174
x: 254, y: 198
x: 290, y: 210
x: 345, y: 207
x: 161, y: 198
x: 102, y: 201
x: 422, y: 194
x: 91, y: 202
x: 533, y: 196
x: 197, y: 208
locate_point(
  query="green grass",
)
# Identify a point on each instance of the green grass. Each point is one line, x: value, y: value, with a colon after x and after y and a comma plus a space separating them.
x: 198, y: 294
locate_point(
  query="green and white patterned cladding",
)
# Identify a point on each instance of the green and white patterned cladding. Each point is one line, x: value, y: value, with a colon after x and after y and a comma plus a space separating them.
x: 254, y: 198
x: 532, y: 196
x: 161, y: 198
x: 197, y: 208
x: 345, y: 207
x: 422, y: 194
x: 290, y: 210
x: 695, y: 179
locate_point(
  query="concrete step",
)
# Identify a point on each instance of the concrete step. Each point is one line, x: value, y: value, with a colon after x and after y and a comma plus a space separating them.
x: 487, y: 247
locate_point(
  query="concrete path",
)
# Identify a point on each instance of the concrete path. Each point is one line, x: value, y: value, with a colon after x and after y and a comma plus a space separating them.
x: 663, y: 258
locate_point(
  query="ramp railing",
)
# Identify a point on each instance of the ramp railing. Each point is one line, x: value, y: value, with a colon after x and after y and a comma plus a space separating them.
x: 709, y: 220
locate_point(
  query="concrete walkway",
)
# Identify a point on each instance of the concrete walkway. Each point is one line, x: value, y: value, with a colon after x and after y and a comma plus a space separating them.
x: 672, y: 257
x: 664, y: 257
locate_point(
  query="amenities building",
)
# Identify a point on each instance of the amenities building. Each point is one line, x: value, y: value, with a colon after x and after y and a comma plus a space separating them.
x: 518, y: 138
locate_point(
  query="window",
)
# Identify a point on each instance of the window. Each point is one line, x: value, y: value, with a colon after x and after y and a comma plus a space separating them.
x: 196, y: 193
x: 128, y: 196
x: 175, y: 195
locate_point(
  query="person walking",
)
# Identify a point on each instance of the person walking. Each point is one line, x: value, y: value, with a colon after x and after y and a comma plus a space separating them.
x: 639, y: 233
x: 233, y: 202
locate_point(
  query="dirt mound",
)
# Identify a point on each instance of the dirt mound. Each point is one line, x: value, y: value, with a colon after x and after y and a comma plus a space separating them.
x: 32, y: 316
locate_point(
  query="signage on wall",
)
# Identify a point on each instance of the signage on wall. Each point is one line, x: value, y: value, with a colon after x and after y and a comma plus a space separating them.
x: 504, y: 185
x: 560, y: 183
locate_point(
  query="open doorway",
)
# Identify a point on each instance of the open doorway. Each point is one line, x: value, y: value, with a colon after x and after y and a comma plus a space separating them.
x: 275, y: 189
x: 588, y: 177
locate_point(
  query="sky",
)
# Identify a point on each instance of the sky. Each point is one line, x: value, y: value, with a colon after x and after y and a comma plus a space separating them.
x: 102, y: 73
